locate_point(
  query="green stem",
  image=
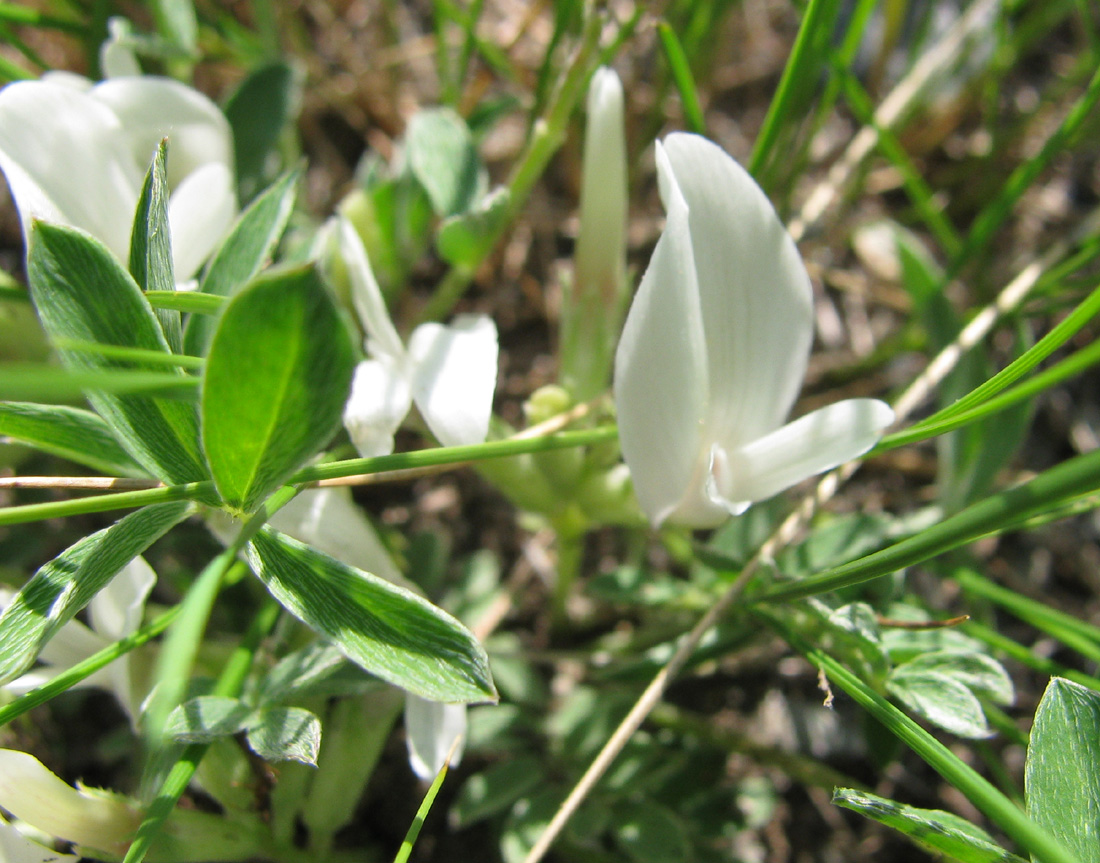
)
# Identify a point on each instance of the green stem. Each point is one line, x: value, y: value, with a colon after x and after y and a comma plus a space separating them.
x: 203, y: 491
x: 181, y: 645
x: 229, y: 684
x: 76, y: 673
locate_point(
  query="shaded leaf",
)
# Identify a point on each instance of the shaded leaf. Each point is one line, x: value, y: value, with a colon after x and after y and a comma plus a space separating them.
x: 83, y: 294
x: 71, y: 433
x: 387, y: 630
x: 934, y: 830
x: 443, y: 159
x: 258, y: 111
x: 206, y: 718
x: 245, y: 250
x: 464, y: 239
x: 941, y: 699
x: 285, y: 734
x: 275, y: 384
x: 494, y: 790
x: 67, y: 583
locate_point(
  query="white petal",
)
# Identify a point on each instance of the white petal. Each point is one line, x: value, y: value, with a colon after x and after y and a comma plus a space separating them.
x: 117, y: 609
x: 31, y: 793
x: 17, y: 848
x: 454, y: 375
x: 152, y: 108
x: 811, y: 444
x: 328, y: 519
x: 72, y: 643
x: 200, y: 212
x: 366, y: 295
x: 754, y: 292
x: 661, y: 370
x: 431, y: 729
x: 379, y: 400
x: 63, y: 154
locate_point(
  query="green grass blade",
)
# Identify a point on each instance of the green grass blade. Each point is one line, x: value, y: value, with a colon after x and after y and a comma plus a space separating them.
x: 1070, y: 479
x: 421, y: 815
x: 1026, y: 657
x: 1077, y: 634
x: 35, y: 382
x: 682, y: 78
x: 186, y: 301
x: 804, y: 65
x: 932, y: 427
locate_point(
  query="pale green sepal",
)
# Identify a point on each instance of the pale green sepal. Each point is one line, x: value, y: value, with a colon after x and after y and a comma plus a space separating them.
x: 275, y: 383
x: 83, y: 294
x: 392, y: 633
x: 67, y: 583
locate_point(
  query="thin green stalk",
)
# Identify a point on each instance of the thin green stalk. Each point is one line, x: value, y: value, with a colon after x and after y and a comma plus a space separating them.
x: 1058, y: 336
x: 1068, y: 368
x: 17, y: 13
x: 421, y: 814
x: 682, y: 78
x: 182, y: 643
x: 1074, y: 633
x: 547, y: 136
x: 1070, y: 479
x: 202, y: 491
x: 229, y: 684
x: 799, y: 69
x: 995, y: 805
x: 135, y: 355
x: 186, y: 301
x: 76, y: 673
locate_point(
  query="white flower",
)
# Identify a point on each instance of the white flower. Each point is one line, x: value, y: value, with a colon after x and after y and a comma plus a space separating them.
x: 714, y: 350
x: 77, y: 154
x: 114, y: 613
x: 448, y: 371
x: 329, y: 520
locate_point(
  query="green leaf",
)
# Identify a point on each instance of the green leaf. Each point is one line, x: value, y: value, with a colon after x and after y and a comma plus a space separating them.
x: 82, y: 293
x: 932, y: 829
x: 650, y: 833
x: 276, y: 380
x: 941, y: 699
x: 71, y: 433
x: 246, y: 249
x: 151, y: 244
x: 390, y: 632
x: 464, y: 239
x: 206, y: 718
x: 295, y: 674
x: 1062, y: 773
x: 976, y: 671
x: 177, y: 24
x: 443, y: 159
x: 67, y: 583
x: 285, y: 734
x: 494, y: 790
x: 259, y: 110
